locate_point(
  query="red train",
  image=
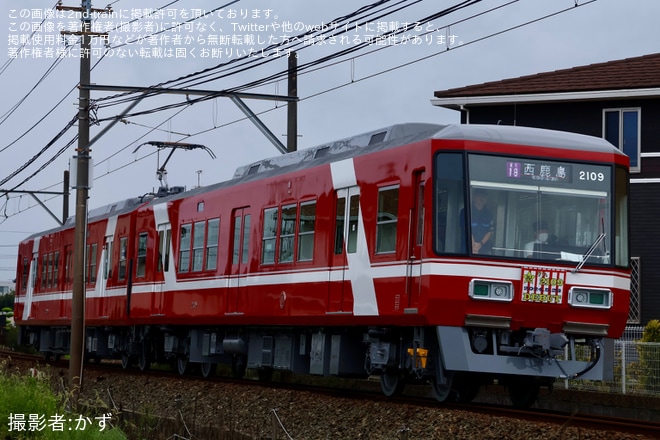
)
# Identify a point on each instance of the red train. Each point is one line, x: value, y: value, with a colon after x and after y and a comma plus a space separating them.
x: 450, y: 254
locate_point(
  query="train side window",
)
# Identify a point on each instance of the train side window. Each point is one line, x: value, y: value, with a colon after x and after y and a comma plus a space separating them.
x: 198, y: 246
x: 56, y: 265
x: 386, y: 222
x: 339, y: 225
x: 246, y: 238
x: 44, y: 271
x: 68, y: 264
x: 50, y: 271
x: 306, y: 231
x: 212, y: 239
x: 123, y: 246
x: 184, y: 248
x: 268, y: 240
x: 141, y: 269
x: 107, y: 258
x: 91, y: 262
x: 287, y: 233
x: 24, y: 274
x: 353, y: 213
x: 237, y: 238
x: 449, y: 200
x: 164, y: 242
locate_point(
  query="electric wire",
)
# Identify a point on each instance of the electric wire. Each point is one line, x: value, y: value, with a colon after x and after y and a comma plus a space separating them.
x: 365, y: 78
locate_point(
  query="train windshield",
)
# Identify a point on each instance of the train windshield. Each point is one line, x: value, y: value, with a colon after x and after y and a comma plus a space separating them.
x: 534, y: 209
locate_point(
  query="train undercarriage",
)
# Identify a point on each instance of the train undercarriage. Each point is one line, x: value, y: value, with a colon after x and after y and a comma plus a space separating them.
x: 455, y: 361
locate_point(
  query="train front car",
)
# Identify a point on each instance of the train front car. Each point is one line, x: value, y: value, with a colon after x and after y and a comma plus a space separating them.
x: 527, y: 263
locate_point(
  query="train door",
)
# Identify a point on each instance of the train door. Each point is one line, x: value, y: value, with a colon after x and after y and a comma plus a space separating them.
x: 236, y: 299
x: 345, y: 242
x: 163, y: 274
x: 66, y: 296
x: 415, y: 240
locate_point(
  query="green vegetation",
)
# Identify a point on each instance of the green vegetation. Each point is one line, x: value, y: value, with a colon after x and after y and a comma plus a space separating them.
x: 7, y: 301
x: 30, y: 410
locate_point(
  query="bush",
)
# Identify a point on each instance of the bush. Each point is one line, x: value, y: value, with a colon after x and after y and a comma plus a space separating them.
x: 27, y: 403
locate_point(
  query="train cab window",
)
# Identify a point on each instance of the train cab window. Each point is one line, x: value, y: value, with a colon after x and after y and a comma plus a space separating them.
x: 388, y: 206
x: 287, y: 233
x: 184, y: 248
x: 141, y: 269
x: 545, y: 209
x: 198, y: 246
x: 212, y: 237
x: 306, y: 231
x: 123, y: 247
x: 269, y: 236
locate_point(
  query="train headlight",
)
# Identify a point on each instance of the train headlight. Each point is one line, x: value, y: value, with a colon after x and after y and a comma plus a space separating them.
x: 491, y: 290
x: 590, y: 297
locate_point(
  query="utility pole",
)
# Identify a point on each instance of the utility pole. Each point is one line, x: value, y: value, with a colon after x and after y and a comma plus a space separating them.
x: 82, y: 189
x: 292, y: 106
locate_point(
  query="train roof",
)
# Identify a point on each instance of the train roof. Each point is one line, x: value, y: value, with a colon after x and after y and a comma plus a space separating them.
x: 388, y: 137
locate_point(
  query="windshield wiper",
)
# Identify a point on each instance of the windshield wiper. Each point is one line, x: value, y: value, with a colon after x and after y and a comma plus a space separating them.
x: 590, y: 251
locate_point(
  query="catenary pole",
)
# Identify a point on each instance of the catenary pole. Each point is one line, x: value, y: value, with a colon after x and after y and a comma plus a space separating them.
x: 82, y: 189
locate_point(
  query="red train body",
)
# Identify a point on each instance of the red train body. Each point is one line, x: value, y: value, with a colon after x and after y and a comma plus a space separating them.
x: 354, y: 258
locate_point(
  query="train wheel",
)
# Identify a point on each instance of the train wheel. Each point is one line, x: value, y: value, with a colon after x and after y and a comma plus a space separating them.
x: 125, y: 360
x: 442, y: 382
x: 182, y: 365
x: 442, y: 386
x: 523, y: 393
x: 144, y: 361
x: 238, y: 367
x: 207, y: 369
x: 392, y: 383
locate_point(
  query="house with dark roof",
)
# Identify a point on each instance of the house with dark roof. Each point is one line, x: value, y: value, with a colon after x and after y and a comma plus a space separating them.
x: 617, y: 100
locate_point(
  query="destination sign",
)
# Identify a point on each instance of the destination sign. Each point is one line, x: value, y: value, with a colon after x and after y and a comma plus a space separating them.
x: 549, y: 172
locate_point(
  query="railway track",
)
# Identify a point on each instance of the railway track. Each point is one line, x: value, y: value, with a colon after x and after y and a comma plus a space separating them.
x: 357, y: 391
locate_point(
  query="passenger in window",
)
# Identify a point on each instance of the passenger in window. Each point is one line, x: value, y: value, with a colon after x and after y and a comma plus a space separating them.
x: 543, y: 238
x: 482, y: 225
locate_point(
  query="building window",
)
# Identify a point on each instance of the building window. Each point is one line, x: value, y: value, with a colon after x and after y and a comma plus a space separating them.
x: 621, y: 127
x: 388, y: 206
x: 184, y: 248
x: 141, y: 269
x: 306, y: 230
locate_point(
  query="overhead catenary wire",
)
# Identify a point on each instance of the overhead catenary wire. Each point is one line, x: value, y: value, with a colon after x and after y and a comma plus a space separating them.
x: 344, y: 85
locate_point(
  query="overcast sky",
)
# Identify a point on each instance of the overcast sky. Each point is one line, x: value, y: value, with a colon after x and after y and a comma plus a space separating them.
x: 381, y: 84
